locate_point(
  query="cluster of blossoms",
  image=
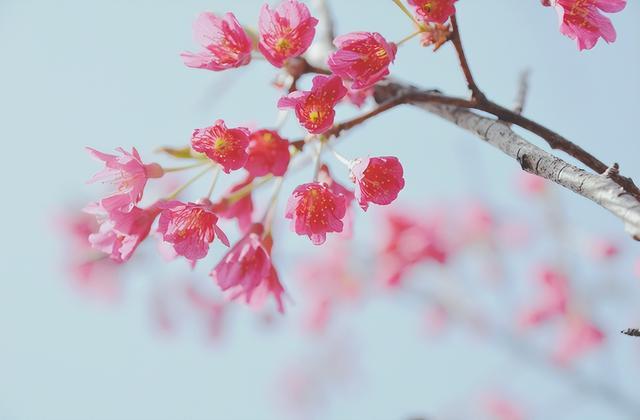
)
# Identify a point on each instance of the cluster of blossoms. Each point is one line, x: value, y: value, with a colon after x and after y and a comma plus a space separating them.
x: 359, y: 61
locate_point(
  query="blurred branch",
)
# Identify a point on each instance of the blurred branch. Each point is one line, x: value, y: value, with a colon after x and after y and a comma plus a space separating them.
x: 603, y: 190
x: 523, y: 89
x: 634, y: 332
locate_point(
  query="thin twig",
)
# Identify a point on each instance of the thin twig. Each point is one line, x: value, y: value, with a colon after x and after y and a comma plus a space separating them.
x: 476, y: 94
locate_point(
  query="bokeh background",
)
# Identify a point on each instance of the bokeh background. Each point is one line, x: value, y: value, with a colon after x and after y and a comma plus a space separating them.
x: 108, y: 74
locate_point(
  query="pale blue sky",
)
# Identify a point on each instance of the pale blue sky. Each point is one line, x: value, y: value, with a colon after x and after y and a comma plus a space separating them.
x: 108, y: 74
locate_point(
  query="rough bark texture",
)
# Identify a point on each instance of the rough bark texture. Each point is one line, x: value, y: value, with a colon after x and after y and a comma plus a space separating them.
x: 598, y: 188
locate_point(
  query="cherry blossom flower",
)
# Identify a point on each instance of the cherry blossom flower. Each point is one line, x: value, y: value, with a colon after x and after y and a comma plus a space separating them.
x: 241, y: 209
x: 582, y: 21
x: 285, y: 32
x: 358, y: 97
x: 578, y: 337
x: 247, y: 271
x: 225, y: 146
x: 324, y: 176
x: 314, y: 108
x: 128, y: 173
x: 121, y: 232
x: 551, y: 303
x: 190, y: 227
x: 226, y: 44
x: 268, y: 154
x: 315, y: 210
x: 378, y: 180
x: 433, y: 11
x: 363, y: 57
x: 408, y: 241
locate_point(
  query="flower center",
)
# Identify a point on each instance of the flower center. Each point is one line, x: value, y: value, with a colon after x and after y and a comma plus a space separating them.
x: 282, y: 45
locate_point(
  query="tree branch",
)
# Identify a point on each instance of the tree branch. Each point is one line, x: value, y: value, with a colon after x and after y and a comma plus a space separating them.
x: 600, y: 189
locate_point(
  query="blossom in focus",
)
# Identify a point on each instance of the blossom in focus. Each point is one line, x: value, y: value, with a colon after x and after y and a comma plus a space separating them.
x: 247, y: 271
x: 226, y: 44
x: 128, y: 173
x: 286, y: 31
x: 315, y: 210
x: 314, y: 108
x: 121, y: 232
x: 190, y: 227
x: 241, y: 209
x: 378, y: 180
x: 324, y: 176
x: 433, y: 11
x: 582, y: 20
x: 268, y: 154
x: 363, y: 57
x: 225, y: 146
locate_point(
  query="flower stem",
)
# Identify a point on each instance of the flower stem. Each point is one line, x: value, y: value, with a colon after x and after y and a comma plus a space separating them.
x: 246, y: 190
x: 267, y: 219
x: 409, y: 37
x: 188, y: 183
x: 407, y: 12
x: 216, y: 173
x: 184, y: 168
x: 318, y: 161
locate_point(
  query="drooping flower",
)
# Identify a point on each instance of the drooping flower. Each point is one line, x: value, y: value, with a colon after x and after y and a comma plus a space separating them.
x: 433, y: 11
x: 226, y: 43
x: 247, y: 271
x: 128, y: 173
x: 314, y: 108
x: 363, y: 57
x: 358, y: 97
x: 241, y: 209
x: 315, y: 210
x: 226, y: 146
x: 268, y: 154
x: 121, y: 232
x: 378, y: 180
x: 325, y: 177
x: 285, y: 32
x: 190, y: 227
x: 582, y: 20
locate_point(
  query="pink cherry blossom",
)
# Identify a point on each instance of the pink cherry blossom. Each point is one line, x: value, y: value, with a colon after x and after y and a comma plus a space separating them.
x: 358, y: 97
x: 121, y: 232
x: 378, y: 180
x: 190, y: 227
x: 408, y: 241
x: 433, y: 11
x: 315, y: 210
x: 552, y: 300
x: 268, y: 154
x: 247, y: 271
x: 285, y: 32
x: 578, y: 337
x: 363, y: 57
x: 225, y: 146
x: 241, y: 209
x: 226, y: 43
x: 582, y: 21
x: 314, y: 108
x: 128, y: 173
x: 324, y: 176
